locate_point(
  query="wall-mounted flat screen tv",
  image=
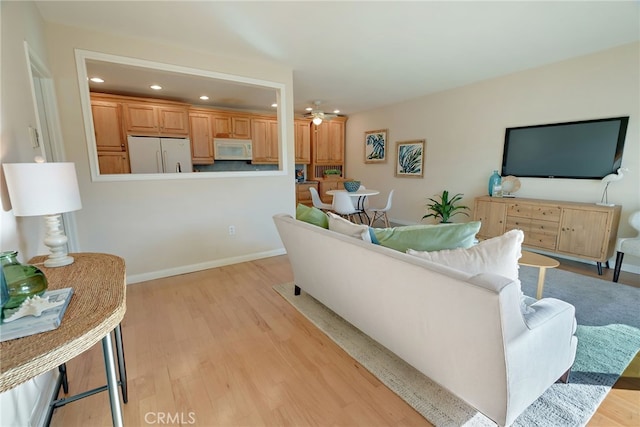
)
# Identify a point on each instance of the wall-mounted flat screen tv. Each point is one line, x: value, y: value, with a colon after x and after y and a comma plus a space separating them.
x: 589, y: 149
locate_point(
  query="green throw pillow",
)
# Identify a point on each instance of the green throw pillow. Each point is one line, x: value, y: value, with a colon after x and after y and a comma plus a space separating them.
x: 312, y: 215
x: 433, y: 237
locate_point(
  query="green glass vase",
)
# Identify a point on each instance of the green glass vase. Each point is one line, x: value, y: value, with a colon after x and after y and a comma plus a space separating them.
x: 21, y: 280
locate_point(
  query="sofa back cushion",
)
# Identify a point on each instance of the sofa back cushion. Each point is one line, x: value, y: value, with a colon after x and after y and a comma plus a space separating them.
x: 428, y: 237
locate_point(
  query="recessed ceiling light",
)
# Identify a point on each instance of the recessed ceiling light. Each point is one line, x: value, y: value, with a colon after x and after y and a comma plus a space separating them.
x: 336, y: 111
x: 155, y: 87
x: 308, y: 109
x: 96, y: 80
x: 274, y: 105
x: 204, y: 97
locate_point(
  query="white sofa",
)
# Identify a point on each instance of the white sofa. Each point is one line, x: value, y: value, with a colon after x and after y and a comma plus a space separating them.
x: 466, y: 332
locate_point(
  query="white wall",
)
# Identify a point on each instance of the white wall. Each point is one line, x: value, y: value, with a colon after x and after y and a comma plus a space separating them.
x: 464, y: 129
x: 165, y: 227
x: 21, y: 21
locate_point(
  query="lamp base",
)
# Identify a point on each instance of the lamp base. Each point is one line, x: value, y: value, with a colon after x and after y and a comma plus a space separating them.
x: 605, y: 204
x: 58, y: 262
x: 56, y: 241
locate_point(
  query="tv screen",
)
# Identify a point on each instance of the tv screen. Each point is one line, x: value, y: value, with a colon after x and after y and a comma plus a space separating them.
x: 589, y: 149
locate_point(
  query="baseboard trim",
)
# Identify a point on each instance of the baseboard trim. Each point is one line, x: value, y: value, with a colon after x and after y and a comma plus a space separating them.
x: 159, y: 274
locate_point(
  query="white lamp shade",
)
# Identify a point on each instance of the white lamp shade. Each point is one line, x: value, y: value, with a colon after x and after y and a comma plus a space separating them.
x: 42, y: 188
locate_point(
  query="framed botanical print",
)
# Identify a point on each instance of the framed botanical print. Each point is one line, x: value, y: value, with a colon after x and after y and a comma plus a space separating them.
x: 410, y: 158
x: 375, y: 146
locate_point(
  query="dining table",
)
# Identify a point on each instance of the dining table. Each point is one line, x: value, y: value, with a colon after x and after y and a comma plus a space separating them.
x: 359, y: 199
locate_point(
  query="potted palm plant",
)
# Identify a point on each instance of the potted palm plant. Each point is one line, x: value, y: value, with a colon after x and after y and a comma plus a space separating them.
x: 446, y: 207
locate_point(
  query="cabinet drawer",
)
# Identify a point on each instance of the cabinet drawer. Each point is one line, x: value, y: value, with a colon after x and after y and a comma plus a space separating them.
x: 544, y: 227
x: 540, y: 240
x: 303, y: 195
x: 547, y: 213
x: 521, y: 210
x: 514, y: 222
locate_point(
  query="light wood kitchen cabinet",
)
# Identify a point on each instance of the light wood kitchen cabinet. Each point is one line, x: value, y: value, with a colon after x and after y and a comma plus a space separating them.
x: 582, y: 230
x: 264, y: 133
x: 303, y: 195
x: 201, y: 136
x: 328, y: 142
x: 112, y: 162
x: 325, y: 185
x: 327, y: 147
x: 227, y: 125
x: 302, y: 141
x: 107, y: 125
x: 150, y: 119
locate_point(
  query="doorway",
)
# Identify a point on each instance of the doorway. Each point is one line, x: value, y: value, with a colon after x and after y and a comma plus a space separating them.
x: 47, y: 135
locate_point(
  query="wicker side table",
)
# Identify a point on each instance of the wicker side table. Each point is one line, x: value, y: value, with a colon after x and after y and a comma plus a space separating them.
x: 96, y: 309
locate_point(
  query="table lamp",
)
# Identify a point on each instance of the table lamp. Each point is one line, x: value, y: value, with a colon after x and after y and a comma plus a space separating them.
x: 48, y: 189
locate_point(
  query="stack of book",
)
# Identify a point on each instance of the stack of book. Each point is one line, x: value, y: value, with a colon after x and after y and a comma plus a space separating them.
x: 47, y: 320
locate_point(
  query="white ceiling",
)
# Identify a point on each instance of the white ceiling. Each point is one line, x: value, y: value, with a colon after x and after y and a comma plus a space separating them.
x: 361, y: 55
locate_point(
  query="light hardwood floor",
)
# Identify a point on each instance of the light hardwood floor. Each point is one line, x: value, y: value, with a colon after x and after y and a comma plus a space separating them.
x: 221, y: 348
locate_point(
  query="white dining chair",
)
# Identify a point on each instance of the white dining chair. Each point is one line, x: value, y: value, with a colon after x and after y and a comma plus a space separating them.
x: 343, y: 206
x: 381, y: 213
x: 317, y: 202
x: 627, y: 245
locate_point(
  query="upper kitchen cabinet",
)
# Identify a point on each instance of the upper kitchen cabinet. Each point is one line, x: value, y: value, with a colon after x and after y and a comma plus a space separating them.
x: 156, y: 119
x: 201, y: 135
x: 327, y: 142
x: 107, y: 125
x: 302, y: 141
x: 230, y: 125
x: 265, y: 140
x: 327, y: 147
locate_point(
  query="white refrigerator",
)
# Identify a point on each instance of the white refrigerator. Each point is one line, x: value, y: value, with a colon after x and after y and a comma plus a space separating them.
x: 159, y: 155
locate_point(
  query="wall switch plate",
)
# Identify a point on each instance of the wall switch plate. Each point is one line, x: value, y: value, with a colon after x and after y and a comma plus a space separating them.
x: 232, y: 230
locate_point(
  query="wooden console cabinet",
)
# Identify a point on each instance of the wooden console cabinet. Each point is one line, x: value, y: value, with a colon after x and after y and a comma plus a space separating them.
x: 582, y: 230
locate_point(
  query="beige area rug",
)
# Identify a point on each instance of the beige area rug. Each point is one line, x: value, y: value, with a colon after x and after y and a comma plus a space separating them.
x: 433, y: 402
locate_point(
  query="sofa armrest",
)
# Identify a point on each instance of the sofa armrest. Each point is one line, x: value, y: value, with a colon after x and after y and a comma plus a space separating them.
x: 544, y: 310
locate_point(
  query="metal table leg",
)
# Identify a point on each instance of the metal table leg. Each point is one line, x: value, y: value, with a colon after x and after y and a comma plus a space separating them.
x: 112, y: 381
x: 122, y: 368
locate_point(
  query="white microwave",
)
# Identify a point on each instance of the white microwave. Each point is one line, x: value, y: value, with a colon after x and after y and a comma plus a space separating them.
x: 232, y: 149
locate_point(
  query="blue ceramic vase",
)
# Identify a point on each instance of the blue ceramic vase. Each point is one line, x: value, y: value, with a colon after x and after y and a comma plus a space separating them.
x: 494, y: 180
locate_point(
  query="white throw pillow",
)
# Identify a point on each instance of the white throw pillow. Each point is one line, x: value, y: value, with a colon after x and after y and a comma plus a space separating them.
x: 497, y: 255
x: 348, y: 228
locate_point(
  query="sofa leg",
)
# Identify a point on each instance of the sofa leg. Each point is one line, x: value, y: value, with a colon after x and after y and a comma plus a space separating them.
x: 565, y: 377
x: 296, y: 290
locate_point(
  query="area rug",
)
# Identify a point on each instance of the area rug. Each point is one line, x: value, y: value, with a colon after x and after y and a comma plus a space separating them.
x: 606, y: 345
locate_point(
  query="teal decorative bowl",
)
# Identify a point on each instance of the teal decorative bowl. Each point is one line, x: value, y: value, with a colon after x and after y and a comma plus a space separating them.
x: 351, y: 186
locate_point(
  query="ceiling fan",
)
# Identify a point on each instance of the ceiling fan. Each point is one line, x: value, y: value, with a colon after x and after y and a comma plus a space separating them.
x: 318, y: 115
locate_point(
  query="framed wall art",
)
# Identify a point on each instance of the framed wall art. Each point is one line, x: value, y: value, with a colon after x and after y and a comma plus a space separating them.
x: 410, y: 158
x: 375, y: 146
